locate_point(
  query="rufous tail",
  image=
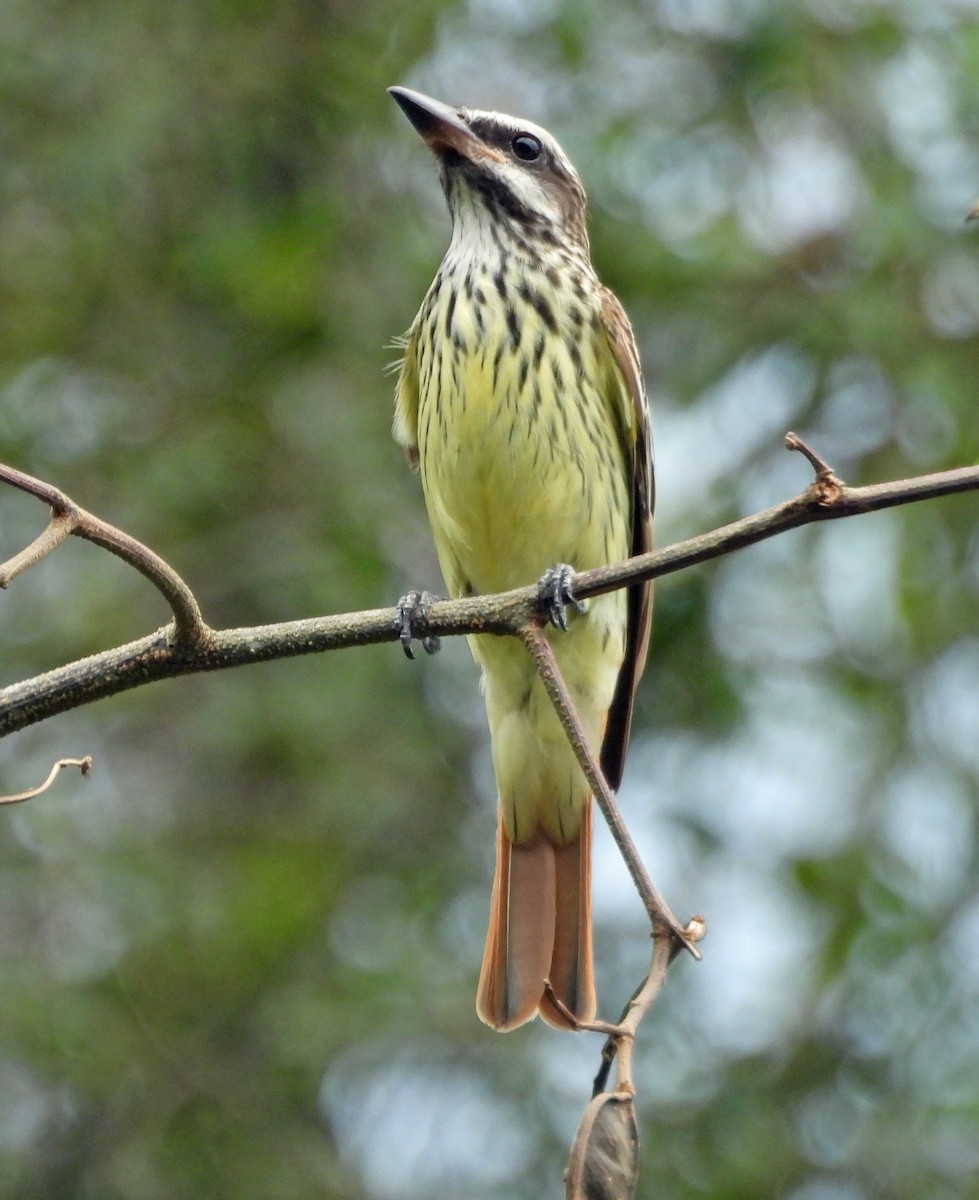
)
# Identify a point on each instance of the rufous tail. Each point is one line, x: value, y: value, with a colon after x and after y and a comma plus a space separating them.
x: 539, y: 928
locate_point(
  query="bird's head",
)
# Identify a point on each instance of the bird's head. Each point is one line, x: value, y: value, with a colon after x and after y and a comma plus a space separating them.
x: 507, y: 175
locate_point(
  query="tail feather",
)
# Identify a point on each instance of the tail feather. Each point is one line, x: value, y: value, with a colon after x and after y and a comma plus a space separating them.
x: 521, y: 933
x: 539, y: 928
x: 572, y: 975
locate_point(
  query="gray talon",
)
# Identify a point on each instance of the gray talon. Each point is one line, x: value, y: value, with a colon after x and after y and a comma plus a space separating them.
x: 556, y: 594
x: 410, y: 608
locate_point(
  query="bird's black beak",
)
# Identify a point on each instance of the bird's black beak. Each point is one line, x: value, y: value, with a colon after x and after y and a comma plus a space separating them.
x: 441, y: 126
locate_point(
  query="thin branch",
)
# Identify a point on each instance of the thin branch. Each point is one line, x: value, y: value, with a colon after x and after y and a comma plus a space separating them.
x: 664, y: 952
x: 828, y: 485
x: 668, y: 935
x: 604, y: 1158
x: 83, y: 764
x: 68, y: 518
x: 60, y: 527
x: 167, y: 653
x: 623, y: 1038
x: 535, y: 640
x: 809, y: 507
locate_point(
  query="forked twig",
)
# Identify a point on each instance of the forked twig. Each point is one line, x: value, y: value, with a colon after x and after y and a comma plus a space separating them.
x: 604, y: 1158
x: 67, y: 518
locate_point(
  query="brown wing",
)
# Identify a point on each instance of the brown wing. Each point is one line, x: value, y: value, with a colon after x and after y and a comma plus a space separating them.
x: 622, y: 343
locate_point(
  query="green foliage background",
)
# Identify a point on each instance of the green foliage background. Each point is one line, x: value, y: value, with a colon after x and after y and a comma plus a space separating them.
x: 240, y: 961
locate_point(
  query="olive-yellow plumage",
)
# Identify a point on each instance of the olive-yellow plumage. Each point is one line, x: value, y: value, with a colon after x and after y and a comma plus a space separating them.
x: 520, y: 398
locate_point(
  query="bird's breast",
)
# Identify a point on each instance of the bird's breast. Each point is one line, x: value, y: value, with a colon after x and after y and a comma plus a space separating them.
x: 521, y: 455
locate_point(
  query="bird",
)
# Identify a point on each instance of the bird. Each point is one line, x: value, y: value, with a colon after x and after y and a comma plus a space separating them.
x: 520, y: 400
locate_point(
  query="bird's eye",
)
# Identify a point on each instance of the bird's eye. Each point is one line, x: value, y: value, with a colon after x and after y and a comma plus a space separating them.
x: 526, y: 147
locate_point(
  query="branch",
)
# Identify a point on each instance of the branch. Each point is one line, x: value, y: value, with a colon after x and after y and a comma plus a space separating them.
x: 662, y: 918
x: 189, y: 646
x: 606, y: 1146
x: 68, y: 518
x: 818, y: 502
x: 83, y: 764
x: 604, y: 1159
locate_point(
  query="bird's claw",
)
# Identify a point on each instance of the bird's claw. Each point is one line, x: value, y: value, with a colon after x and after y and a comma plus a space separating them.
x: 410, y: 608
x: 555, y: 592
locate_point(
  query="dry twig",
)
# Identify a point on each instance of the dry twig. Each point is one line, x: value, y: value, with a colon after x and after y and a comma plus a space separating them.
x: 662, y: 918
x: 67, y: 519
x: 83, y: 764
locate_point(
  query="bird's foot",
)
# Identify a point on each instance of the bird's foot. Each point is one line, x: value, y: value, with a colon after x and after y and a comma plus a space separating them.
x: 555, y: 592
x: 411, y: 609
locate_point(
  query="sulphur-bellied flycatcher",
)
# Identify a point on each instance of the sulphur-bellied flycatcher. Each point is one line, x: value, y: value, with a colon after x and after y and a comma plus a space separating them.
x: 521, y: 400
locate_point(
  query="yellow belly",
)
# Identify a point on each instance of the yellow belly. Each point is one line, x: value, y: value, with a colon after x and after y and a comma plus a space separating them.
x: 523, y: 467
